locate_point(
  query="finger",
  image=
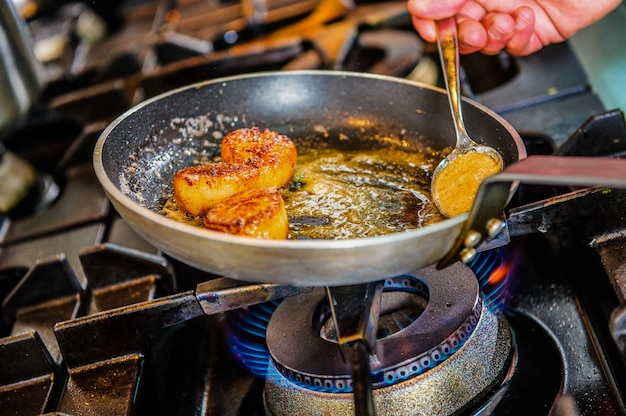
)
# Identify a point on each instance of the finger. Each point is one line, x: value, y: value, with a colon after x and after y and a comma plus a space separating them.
x: 533, y: 45
x: 426, y: 29
x: 500, y: 29
x: 472, y: 36
x: 520, y: 43
x: 471, y: 10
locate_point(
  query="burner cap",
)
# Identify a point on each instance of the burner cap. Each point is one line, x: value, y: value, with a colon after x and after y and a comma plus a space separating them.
x: 447, y: 340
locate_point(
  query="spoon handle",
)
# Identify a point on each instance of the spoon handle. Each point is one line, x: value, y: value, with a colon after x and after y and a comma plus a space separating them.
x: 449, y: 53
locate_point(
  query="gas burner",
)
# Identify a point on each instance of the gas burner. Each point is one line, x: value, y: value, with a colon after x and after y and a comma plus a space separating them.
x: 444, y: 336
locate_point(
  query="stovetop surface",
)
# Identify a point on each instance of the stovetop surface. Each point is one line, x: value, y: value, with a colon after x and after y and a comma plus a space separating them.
x: 72, y: 274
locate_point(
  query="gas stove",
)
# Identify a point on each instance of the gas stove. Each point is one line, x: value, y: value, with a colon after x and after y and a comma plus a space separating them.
x: 97, y: 321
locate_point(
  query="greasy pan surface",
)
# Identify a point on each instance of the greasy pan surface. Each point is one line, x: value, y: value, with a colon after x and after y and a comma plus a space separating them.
x: 137, y: 155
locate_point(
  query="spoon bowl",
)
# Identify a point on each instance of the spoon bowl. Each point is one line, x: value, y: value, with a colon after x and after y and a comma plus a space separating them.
x: 457, y: 177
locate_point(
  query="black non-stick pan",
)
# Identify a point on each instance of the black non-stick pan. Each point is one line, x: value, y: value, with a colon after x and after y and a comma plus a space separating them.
x: 137, y: 155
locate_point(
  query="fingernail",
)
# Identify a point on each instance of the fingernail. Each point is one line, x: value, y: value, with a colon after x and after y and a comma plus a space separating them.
x: 495, y: 32
x: 466, y: 45
x: 523, y: 20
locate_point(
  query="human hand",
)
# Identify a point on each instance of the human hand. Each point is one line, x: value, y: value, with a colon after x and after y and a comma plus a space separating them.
x: 520, y: 27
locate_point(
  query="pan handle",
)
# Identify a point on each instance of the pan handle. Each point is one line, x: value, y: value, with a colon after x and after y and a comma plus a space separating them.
x: 224, y: 294
x: 493, y: 194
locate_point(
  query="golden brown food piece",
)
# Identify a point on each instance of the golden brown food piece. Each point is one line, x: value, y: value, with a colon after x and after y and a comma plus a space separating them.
x: 198, y: 188
x: 272, y: 153
x: 251, y: 158
x: 258, y: 212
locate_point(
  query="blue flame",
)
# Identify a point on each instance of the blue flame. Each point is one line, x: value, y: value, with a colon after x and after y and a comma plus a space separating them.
x: 492, y: 271
x: 246, y: 336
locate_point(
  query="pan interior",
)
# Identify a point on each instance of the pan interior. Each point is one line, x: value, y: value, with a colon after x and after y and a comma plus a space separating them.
x: 347, y: 113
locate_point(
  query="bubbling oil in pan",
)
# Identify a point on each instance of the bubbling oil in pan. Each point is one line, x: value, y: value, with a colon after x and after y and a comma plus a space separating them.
x: 343, y: 194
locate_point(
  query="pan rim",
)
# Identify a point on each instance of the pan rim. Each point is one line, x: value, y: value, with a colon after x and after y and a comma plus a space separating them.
x: 117, y: 196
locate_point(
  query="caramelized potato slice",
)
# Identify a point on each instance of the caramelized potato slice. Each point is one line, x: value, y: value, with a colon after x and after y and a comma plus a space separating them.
x: 198, y: 188
x: 272, y: 153
x: 258, y: 212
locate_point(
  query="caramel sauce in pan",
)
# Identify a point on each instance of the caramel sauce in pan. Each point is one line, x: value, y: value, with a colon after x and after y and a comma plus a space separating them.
x: 351, y: 194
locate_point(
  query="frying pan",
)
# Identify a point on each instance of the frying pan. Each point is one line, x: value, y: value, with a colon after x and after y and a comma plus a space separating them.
x: 137, y: 155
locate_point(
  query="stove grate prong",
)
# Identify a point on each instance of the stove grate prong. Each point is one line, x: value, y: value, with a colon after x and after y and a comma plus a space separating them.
x: 355, y: 311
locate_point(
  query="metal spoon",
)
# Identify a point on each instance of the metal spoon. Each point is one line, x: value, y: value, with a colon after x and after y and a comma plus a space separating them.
x: 456, y: 179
